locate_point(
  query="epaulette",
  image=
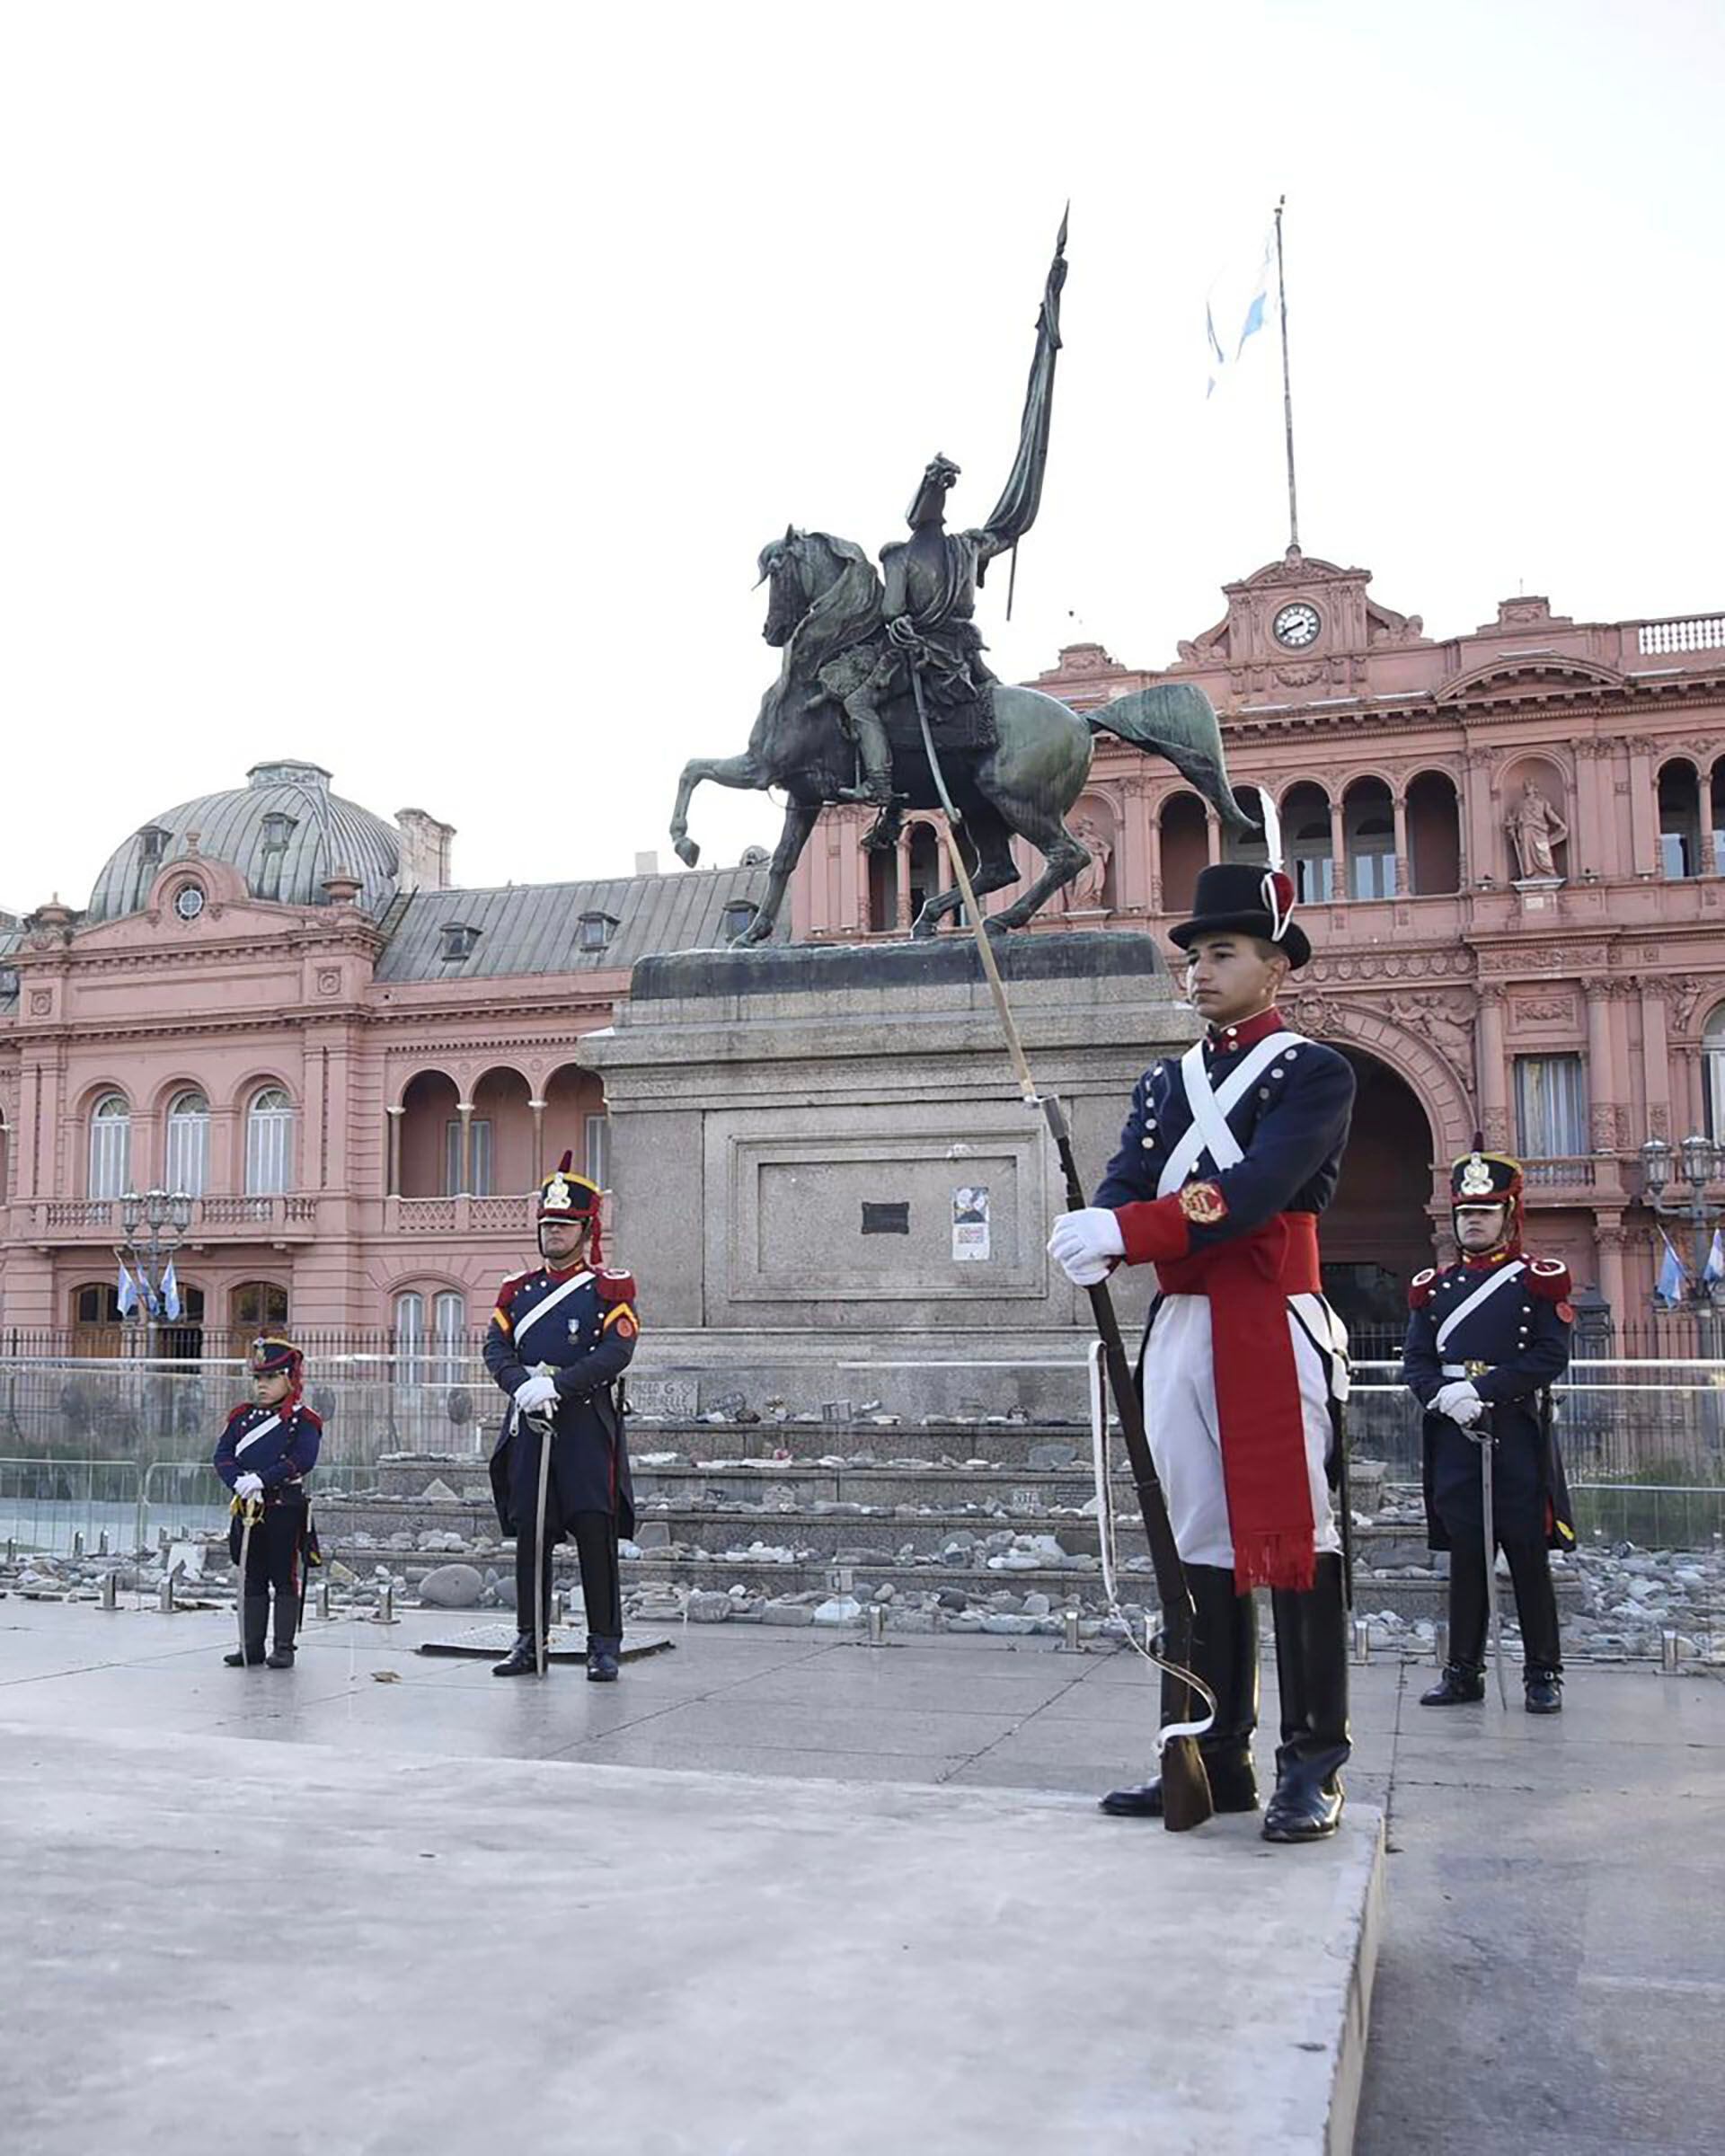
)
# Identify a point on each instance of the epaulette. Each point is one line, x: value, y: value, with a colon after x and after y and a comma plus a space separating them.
x: 1420, y: 1286
x: 614, y: 1288
x: 309, y: 1415
x: 1549, y: 1280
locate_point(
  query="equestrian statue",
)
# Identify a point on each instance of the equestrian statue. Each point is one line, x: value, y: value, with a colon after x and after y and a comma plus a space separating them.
x: 883, y: 692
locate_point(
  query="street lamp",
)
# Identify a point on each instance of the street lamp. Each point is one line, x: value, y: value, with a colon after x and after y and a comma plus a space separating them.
x: 152, y: 1225
x: 1698, y: 1162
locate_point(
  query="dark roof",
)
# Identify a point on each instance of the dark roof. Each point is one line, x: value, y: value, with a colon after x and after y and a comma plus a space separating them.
x: 536, y: 928
x: 322, y: 832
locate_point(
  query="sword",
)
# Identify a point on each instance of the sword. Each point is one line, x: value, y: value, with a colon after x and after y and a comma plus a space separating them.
x: 1187, y: 1801
x: 249, y: 1512
x: 1483, y: 1436
x: 547, y: 1430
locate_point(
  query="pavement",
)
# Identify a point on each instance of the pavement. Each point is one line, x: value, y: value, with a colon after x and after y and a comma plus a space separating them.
x: 1549, y: 1952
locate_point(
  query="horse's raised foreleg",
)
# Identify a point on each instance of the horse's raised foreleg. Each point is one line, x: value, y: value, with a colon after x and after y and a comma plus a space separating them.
x: 740, y: 772
x: 989, y: 855
x: 799, y: 820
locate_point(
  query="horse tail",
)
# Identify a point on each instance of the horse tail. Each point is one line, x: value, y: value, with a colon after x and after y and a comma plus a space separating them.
x: 1176, y: 719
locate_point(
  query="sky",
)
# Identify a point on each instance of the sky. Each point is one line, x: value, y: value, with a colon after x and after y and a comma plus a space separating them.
x: 410, y: 387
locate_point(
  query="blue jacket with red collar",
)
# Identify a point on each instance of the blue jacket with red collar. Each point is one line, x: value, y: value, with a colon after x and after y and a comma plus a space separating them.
x: 278, y: 1445
x: 1290, y: 1120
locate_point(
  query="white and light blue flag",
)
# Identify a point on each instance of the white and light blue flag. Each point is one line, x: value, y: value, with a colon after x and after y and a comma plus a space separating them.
x: 1667, y: 1290
x: 170, y: 1305
x: 126, y: 1292
x: 1235, y: 309
x: 1715, y: 1260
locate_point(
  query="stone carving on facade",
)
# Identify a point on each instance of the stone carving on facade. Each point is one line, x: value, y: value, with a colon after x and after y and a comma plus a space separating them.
x: 1535, y: 829
x: 1570, y: 959
x: 1298, y: 678
x: 1494, y: 1122
x: 1682, y: 992
x: 1547, y: 1011
x: 1084, y: 894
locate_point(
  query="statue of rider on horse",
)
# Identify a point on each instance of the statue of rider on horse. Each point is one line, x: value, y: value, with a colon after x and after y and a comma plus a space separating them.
x: 877, y: 680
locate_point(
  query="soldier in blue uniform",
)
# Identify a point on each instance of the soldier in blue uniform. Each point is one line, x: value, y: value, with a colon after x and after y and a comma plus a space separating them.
x: 559, y: 1340
x: 266, y: 1448
x: 1487, y: 1338
x: 1229, y: 1154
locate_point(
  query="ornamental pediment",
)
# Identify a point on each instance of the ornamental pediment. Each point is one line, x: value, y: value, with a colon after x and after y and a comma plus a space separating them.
x: 1547, y: 672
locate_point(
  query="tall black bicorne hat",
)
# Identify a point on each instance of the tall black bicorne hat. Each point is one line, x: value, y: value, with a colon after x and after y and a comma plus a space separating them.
x: 1253, y: 901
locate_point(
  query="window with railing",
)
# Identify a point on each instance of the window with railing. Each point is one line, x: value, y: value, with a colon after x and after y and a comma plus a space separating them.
x: 1713, y: 1067
x: 1551, y: 1105
x: 409, y: 1337
x: 268, y: 1144
x: 189, y: 1143
x: 110, y: 1145
x: 479, y: 1170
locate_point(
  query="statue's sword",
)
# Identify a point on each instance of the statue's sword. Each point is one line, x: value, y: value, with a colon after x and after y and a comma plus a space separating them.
x: 1484, y: 1435
x: 1186, y: 1800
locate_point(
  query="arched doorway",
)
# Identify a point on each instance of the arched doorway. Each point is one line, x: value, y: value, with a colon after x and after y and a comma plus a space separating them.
x: 1377, y: 1233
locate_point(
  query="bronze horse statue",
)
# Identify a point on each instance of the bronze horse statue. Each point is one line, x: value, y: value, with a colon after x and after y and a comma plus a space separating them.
x: 826, y: 611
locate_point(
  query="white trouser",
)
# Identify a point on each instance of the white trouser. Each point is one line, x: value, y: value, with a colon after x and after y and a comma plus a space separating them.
x: 1180, y: 1420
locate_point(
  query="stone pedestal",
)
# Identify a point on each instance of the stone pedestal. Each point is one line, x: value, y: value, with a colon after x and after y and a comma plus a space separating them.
x: 1538, y: 894
x: 822, y: 1165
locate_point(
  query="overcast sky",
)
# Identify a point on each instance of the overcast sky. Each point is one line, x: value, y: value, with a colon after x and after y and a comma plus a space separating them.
x: 410, y: 387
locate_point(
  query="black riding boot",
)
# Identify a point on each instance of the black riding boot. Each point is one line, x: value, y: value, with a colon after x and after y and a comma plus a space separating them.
x: 1542, y: 1671
x: 287, y: 1620
x: 521, y: 1661
x: 1462, y: 1683
x: 1311, y: 1675
x: 257, y: 1623
x: 1225, y: 1654
x: 602, y: 1659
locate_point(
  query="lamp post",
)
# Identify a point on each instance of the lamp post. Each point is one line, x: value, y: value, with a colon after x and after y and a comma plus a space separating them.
x: 1698, y: 1162
x: 152, y: 1225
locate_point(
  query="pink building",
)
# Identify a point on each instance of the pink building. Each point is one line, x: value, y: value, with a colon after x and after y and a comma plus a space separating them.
x: 1561, y: 981
x: 276, y: 1002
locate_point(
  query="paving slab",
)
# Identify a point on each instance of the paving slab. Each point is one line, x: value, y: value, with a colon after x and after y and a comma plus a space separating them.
x: 689, y: 1962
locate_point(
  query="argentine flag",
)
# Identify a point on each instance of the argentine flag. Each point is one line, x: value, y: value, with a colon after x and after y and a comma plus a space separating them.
x: 1667, y: 1290
x: 1231, y: 301
x: 1715, y: 1260
x: 126, y: 1292
x: 170, y: 1305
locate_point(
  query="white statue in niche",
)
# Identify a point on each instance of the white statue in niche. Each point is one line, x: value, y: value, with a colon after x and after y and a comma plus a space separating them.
x: 1084, y: 894
x: 1536, y: 831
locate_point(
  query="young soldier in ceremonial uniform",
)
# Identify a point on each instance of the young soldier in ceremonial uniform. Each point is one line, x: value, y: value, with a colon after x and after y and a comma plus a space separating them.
x: 1486, y: 1339
x: 1229, y: 1154
x: 560, y: 1339
x: 265, y: 1452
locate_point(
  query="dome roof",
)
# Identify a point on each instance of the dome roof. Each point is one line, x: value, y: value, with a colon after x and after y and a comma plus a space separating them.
x: 283, y: 830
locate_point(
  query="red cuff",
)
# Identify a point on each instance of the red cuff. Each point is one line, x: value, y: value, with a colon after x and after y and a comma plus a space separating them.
x: 1154, y: 1229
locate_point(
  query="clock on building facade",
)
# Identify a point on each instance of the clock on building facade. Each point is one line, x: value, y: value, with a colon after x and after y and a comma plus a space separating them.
x: 1296, y: 626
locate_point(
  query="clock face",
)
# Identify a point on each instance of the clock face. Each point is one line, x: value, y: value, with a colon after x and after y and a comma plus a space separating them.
x: 189, y: 901
x: 1296, y: 626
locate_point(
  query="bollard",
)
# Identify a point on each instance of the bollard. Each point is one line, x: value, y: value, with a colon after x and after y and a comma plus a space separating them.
x: 1070, y: 1643
x: 1362, y: 1640
x: 11, y: 1551
x: 1440, y: 1643
x: 323, y: 1599
x: 841, y: 1578
x: 1668, y: 1654
x: 77, y: 1542
x: 386, y: 1607
x: 101, y: 1544
x: 109, y: 1596
x: 165, y: 1600
x: 876, y: 1616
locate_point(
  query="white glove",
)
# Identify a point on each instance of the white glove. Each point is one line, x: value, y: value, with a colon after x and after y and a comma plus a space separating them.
x: 247, y: 1487
x: 1083, y: 1243
x: 1460, y: 1401
x: 535, y: 1392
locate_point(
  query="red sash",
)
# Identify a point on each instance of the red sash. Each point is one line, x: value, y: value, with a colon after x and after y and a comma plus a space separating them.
x: 1247, y: 1282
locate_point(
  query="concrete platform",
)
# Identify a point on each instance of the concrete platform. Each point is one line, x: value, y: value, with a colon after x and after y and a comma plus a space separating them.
x: 692, y: 1962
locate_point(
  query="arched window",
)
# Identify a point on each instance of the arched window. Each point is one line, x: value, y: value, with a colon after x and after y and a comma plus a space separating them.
x: 1250, y: 846
x: 448, y: 1328
x: 1306, y: 835
x: 110, y: 1145
x: 1434, y: 835
x: 1368, y: 824
x: 268, y: 1143
x: 1183, y: 838
x: 189, y: 1143
x: 1712, y: 1071
x: 257, y: 1307
x: 1680, y: 820
x: 409, y: 1337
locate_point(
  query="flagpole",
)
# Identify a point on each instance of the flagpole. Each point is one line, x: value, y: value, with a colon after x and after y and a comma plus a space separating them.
x: 1287, y: 392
